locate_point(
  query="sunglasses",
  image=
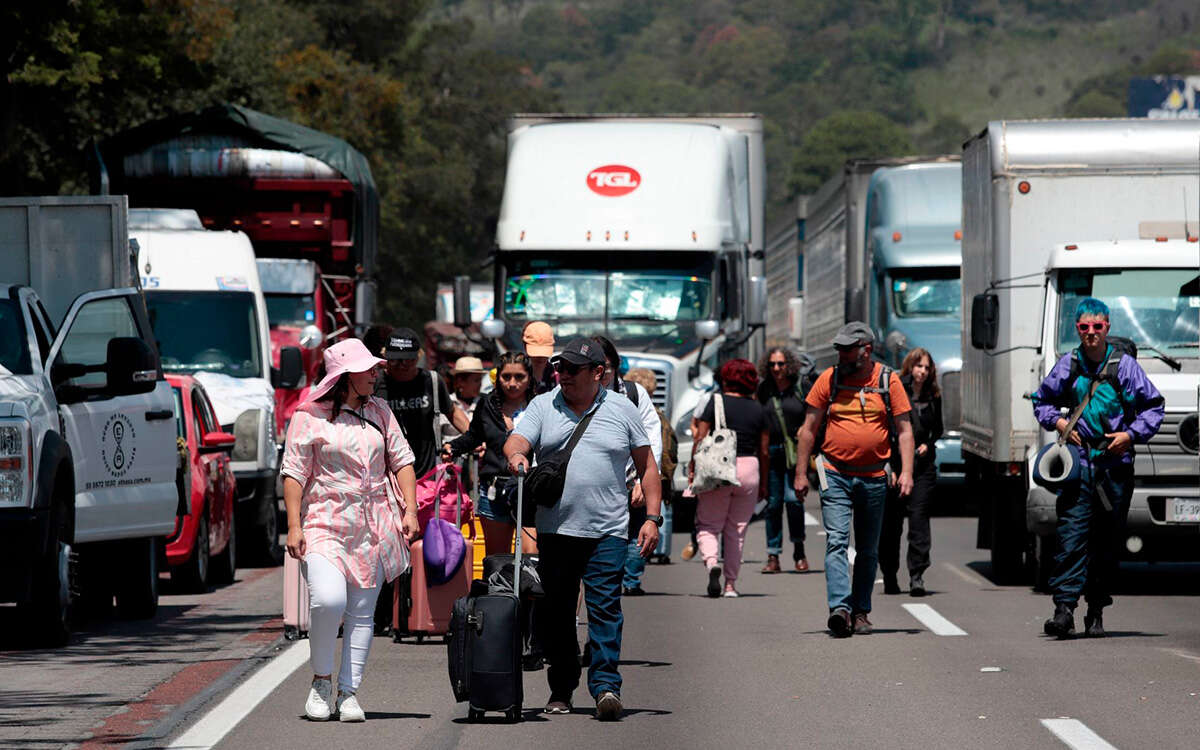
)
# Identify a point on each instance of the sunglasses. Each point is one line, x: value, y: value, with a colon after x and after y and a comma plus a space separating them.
x: 778, y: 364
x: 568, y: 368
x: 1086, y: 327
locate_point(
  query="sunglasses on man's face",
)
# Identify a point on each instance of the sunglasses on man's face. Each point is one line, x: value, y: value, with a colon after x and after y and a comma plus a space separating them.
x: 568, y: 368
x: 1087, y: 327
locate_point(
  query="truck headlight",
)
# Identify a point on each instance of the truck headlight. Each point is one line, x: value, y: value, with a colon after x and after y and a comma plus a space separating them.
x: 245, y: 429
x: 16, y: 463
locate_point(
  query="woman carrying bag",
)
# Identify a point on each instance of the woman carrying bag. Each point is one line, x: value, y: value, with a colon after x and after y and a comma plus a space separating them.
x: 782, y: 393
x: 343, y: 524
x: 728, y: 471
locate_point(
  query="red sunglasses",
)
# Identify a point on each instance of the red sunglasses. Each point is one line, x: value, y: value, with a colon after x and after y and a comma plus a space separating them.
x: 1086, y: 327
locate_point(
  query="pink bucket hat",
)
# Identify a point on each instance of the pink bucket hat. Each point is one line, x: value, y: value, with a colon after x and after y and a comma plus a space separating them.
x: 350, y: 355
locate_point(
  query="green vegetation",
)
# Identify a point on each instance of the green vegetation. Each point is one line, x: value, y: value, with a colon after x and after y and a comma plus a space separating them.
x: 423, y: 87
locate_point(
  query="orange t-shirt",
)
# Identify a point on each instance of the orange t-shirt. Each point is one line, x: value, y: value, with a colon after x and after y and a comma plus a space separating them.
x: 856, y: 429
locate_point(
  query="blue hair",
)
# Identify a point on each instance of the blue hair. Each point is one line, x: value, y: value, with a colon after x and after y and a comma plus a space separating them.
x: 1090, y: 306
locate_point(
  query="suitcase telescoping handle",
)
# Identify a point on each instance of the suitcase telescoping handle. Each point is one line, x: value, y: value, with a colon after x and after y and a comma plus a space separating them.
x: 517, y: 537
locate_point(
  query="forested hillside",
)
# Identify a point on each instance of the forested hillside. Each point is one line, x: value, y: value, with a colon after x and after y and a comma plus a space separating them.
x: 422, y: 87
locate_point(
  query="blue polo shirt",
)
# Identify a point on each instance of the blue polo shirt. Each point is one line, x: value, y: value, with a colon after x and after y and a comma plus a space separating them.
x: 594, y: 501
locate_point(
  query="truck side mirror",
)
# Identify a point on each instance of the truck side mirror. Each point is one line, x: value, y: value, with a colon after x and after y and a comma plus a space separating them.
x: 462, y: 301
x: 706, y: 331
x: 291, y: 369
x: 985, y: 321
x: 492, y: 328
x: 130, y: 366
x: 756, y: 309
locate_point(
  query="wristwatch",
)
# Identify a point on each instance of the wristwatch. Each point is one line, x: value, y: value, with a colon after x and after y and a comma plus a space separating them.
x: 658, y: 520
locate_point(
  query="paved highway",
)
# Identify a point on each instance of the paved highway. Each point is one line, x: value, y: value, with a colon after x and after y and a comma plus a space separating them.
x: 966, y: 666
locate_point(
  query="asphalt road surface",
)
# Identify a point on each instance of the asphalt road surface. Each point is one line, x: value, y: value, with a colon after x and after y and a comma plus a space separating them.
x: 967, y: 667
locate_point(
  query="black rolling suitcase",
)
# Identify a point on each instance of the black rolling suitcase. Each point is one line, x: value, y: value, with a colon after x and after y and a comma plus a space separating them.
x: 484, y: 645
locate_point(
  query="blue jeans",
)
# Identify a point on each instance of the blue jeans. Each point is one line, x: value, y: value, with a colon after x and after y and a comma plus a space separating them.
x: 563, y: 562
x: 1089, y: 535
x: 781, y: 494
x: 861, y: 499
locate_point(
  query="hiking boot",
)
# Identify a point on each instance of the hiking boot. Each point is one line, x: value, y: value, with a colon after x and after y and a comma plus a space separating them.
x: 689, y: 551
x: 891, y: 586
x: 714, y: 581
x: 862, y: 626
x: 316, y: 708
x: 839, y: 623
x: 1062, y: 624
x: 1093, y: 623
x: 558, y: 705
x: 772, y: 565
x: 348, y: 708
x: 916, y: 586
x: 608, y: 706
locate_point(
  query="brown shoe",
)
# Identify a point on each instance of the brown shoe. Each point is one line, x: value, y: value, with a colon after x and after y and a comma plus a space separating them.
x: 688, y: 552
x: 772, y: 565
x: 802, y: 565
x: 862, y: 626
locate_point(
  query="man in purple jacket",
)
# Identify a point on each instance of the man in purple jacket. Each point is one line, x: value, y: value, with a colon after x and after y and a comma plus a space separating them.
x: 1124, y: 409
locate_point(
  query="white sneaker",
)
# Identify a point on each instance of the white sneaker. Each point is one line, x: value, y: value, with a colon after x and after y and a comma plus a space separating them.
x: 348, y: 708
x: 316, y: 708
x: 730, y: 594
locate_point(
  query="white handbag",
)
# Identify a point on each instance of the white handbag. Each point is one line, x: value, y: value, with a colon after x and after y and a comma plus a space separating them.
x: 716, y: 455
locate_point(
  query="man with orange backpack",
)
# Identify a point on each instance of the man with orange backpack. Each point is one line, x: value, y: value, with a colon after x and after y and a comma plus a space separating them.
x: 863, y: 407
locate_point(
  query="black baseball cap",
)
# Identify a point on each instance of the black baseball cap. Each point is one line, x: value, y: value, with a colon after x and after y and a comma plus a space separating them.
x: 580, y: 352
x: 403, y: 343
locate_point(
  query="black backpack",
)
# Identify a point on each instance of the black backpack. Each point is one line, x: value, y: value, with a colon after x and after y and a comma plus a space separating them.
x: 1108, y: 371
x: 884, y: 391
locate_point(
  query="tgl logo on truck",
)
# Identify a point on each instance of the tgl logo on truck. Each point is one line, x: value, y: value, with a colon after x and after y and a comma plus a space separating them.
x: 613, y: 180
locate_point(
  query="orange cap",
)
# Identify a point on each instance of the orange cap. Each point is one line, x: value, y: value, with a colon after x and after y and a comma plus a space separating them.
x: 538, y: 338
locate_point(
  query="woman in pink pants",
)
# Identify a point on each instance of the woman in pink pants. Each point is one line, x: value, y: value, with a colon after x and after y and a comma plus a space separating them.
x: 725, y: 512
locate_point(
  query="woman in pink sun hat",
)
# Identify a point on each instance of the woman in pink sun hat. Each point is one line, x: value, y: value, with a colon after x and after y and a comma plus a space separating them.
x: 341, y: 446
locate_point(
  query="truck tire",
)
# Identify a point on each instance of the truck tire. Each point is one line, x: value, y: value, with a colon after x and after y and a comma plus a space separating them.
x: 137, y: 579
x: 50, y: 612
x: 192, y: 576
x: 223, y: 566
x: 1008, y: 535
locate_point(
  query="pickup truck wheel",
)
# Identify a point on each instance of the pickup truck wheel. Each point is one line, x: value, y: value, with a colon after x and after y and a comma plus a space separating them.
x: 260, y: 534
x: 224, y: 565
x: 50, y: 613
x: 137, y: 580
x: 192, y: 576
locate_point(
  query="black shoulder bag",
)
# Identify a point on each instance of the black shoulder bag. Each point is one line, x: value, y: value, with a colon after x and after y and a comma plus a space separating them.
x: 544, y: 482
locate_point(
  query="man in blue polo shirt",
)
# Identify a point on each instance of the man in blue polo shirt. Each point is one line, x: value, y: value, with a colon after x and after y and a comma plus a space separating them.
x: 583, y: 536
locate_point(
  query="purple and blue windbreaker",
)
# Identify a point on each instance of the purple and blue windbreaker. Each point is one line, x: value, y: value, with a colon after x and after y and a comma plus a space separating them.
x: 1106, y: 412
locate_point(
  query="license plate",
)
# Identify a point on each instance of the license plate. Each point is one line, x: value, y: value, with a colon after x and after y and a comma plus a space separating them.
x: 1183, y: 510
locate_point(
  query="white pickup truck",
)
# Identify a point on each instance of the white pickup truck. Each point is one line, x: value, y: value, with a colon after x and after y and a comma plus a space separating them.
x: 87, y: 428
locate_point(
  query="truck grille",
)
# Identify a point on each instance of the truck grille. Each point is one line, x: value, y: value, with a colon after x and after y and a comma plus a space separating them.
x: 951, y: 400
x: 662, y: 382
x: 1166, y: 441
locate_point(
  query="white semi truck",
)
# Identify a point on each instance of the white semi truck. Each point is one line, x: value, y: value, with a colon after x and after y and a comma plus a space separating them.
x: 647, y: 229
x: 1054, y: 211
x: 87, y: 421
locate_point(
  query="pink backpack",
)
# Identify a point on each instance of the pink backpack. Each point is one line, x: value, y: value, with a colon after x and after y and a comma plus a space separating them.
x: 443, y: 486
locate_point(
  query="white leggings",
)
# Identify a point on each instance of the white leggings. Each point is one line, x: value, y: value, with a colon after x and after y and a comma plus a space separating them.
x: 332, y: 600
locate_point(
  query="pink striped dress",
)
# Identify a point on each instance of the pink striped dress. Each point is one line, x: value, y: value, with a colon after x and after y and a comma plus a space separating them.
x: 345, y: 511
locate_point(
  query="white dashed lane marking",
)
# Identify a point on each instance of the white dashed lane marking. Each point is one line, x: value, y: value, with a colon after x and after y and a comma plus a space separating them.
x: 1076, y: 735
x: 810, y: 519
x: 929, y: 617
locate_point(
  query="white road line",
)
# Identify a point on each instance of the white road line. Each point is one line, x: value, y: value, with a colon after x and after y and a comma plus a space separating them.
x: 967, y: 575
x: 1076, y: 735
x: 930, y: 618
x: 1182, y: 654
x: 227, y: 714
x: 810, y: 519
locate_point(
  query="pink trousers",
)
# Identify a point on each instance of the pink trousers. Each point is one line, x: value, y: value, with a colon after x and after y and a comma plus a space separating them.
x: 726, y: 512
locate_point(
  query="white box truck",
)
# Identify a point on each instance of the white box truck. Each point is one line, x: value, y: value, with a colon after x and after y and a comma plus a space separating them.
x: 647, y: 229
x: 1053, y: 211
x: 87, y: 421
x: 209, y: 315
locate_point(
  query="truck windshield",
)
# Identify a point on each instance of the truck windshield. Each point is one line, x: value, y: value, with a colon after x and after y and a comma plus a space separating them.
x: 290, y: 309
x: 14, y: 347
x: 927, y: 291
x: 1157, y: 307
x: 635, y: 303
x: 206, y: 332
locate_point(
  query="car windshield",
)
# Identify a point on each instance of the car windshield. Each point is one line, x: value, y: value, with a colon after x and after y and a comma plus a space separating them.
x: 206, y: 332
x: 290, y: 309
x: 927, y: 291
x: 1158, y: 307
x: 14, y: 346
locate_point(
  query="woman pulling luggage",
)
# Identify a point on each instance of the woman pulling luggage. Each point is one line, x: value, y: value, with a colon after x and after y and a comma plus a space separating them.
x: 726, y: 511
x: 341, y: 445
x: 918, y: 373
x: 493, y: 421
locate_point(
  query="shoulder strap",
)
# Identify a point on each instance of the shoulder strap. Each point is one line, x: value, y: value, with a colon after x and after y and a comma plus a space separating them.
x: 437, y: 407
x: 718, y: 412
x: 885, y: 387
x: 581, y: 428
x: 631, y: 391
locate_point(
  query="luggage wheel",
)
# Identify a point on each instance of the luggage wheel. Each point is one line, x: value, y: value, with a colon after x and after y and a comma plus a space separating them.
x: 513, y: 714
x: 420, y: 637
x: 474, y: 715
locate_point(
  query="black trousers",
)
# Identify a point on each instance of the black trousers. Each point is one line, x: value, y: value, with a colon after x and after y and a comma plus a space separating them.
x: 915, y: 508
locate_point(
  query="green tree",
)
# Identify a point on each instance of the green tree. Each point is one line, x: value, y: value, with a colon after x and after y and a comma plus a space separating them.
x: 851, y: 134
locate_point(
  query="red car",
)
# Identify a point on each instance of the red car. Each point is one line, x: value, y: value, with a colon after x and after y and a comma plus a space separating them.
x: 202, y: 549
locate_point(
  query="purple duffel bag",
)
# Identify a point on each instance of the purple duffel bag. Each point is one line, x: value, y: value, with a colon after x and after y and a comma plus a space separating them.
x: 444, y: 549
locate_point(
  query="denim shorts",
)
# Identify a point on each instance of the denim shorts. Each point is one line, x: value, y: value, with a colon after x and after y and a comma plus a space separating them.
x: 498, y: 499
